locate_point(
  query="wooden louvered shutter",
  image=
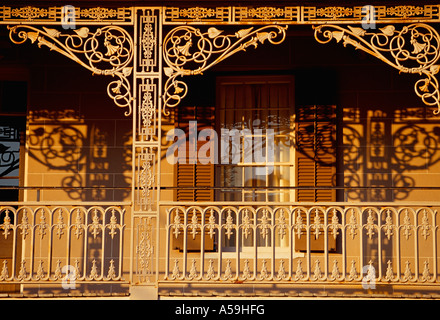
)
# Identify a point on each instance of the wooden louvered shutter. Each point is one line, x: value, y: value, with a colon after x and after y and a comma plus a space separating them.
x: 316, y: 153
x: 315, y: 163
x: 191, y: 176
x: 204, y: 177
x: 185, y: 174
x: 195, y: 182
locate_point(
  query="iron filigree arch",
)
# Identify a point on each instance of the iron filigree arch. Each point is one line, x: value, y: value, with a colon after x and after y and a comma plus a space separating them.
x: 189, y: 51
x: 107, y: 51
x: 415, y: 49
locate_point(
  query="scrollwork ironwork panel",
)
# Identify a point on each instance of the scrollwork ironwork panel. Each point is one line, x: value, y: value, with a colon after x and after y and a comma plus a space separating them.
x: 189, y: 51
x: 106, y: 51
x: 413, y: 49
x: 148, y: 40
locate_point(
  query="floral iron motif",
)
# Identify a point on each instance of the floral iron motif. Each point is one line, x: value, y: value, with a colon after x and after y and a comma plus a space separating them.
x: 107, y: 51
x: 189, y: 51
x: 413, y: 49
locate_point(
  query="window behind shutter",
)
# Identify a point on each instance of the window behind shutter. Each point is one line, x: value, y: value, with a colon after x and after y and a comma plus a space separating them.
x: 316, y: 153
x: 13, y: 106
x: 254, y: 106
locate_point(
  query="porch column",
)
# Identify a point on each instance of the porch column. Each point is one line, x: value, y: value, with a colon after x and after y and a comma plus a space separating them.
x: 146, y: 157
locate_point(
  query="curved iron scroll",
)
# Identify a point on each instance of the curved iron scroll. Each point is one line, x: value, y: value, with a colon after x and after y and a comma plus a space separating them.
x: 189, y: 51
x: 107, y: 51
x: 413, y: 49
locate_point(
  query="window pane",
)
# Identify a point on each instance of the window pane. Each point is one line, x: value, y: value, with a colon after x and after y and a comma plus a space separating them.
x: 261, y: 109
x: 9, y: 155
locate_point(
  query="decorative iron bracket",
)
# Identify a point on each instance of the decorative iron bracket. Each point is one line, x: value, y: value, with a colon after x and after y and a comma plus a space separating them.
x: 413, y: 49
x: 188, y: 51
x: 107, y: 51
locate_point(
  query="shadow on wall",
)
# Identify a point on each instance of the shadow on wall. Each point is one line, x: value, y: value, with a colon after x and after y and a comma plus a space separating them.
x: 389, y: 152
x: 384, y: 155
x: 78, y: 156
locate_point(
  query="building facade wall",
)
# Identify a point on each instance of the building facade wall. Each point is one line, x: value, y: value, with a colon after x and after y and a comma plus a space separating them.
x: 83, y: 150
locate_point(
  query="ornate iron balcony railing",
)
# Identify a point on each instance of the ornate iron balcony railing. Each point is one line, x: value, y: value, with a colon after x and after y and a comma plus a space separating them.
x: 61, y: 243
x: 345, y: 242
x: 316, y: 243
